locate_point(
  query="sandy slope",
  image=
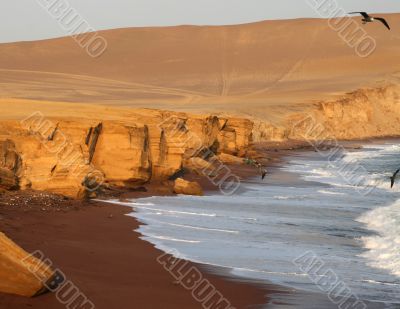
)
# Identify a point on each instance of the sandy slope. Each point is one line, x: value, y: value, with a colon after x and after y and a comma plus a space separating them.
x: 263, y: 69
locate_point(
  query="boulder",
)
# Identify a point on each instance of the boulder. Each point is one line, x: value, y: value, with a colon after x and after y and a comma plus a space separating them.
x: 198, y: 164
x: 182, y: 186
x: 8, y: 179
x: 21, y: 273
x: 227, y: 158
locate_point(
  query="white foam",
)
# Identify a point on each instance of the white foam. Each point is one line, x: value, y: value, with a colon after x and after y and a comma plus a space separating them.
x: 334, y: 172
x: 203, y: 228
x: 382, y: 283
x: 130, y: 204
x: 330, y: 192
x: 158, y: 210
x: 375, y: 151
x: 180, y: 212
x: 319, y: 172
x: 293, y: 197
x: 239, y: 270
x: 383, y: 249
x: 174, y: 239
x: 280, y: 197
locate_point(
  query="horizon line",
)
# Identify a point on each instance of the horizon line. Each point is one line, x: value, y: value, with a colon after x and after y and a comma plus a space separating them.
x: 191, y: 25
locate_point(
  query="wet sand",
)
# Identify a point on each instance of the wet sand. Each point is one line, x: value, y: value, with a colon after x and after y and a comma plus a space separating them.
x: 95, y: 246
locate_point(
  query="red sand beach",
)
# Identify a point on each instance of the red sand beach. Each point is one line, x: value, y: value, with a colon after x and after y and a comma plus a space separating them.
x: 95, y: 246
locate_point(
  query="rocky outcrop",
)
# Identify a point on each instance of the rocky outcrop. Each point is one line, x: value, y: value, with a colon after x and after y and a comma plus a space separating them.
x: 21, y: 273
x: 227, y: 158
x: 265, y: 131
x: 235, y: 136
x: 72, y: 156
x: 76, y: 156
x: 123, y: 155
x: 10, y: 165
x: 197, y: 164
x: 365, y: 113
x: 182, y: 186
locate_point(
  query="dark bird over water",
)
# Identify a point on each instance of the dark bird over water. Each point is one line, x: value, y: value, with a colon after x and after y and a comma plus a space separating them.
x: 393, y: 178
x: 369, y: 19
x: 263, y: 174
x: 263, y: 171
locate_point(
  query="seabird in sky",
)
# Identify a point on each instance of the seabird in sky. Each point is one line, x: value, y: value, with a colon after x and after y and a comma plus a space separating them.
x: 370, y: 19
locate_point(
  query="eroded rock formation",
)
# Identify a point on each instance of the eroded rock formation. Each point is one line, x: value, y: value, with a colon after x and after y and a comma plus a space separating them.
x: 182, y: 186
x: 69, y: 156
x: 10, y: 165
x: 64, y: 155
x: 21, y: 273
x: 364, y: 113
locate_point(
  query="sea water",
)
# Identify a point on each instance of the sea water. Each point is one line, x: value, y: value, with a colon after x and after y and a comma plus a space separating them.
x: 308, y: 205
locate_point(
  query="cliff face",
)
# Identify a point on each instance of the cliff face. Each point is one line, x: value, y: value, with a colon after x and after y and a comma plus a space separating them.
x: 361, y: 114
x: 10, y: 165
x: 365, y: 113
x: 65, y: 156
x: 68, y: 154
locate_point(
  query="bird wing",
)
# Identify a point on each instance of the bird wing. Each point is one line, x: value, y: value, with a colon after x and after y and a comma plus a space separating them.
x: 364, y: 14
x: 383, y: 21
x: 393, y: 178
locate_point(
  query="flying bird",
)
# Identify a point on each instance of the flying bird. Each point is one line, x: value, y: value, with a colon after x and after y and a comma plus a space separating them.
x: 369, y: 19
x: 263, y: 174
x: 263, y: 171
x: 393, y: 178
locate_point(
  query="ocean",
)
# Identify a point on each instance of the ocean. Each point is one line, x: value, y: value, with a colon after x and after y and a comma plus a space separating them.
x: 336, y: 206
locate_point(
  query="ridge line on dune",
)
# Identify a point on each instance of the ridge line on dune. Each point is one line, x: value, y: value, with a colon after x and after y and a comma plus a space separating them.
x: 94, y: 78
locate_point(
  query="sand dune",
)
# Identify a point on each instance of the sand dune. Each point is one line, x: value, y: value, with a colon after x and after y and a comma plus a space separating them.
x: 258, y: 69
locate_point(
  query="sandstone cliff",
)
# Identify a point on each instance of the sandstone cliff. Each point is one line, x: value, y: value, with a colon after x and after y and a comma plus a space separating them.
x: 127, y: 148
x: 66, y: 156
x: 364, y: 113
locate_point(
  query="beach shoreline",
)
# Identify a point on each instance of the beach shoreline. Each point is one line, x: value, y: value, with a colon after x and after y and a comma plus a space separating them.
x: 69, y: 230
x: 285, y: 294
x: 71, y: 236
x: 126, y: 272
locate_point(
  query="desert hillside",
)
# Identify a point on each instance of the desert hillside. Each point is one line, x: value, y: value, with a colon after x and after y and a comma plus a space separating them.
x: 260, y: 69
x: 139, y: 112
